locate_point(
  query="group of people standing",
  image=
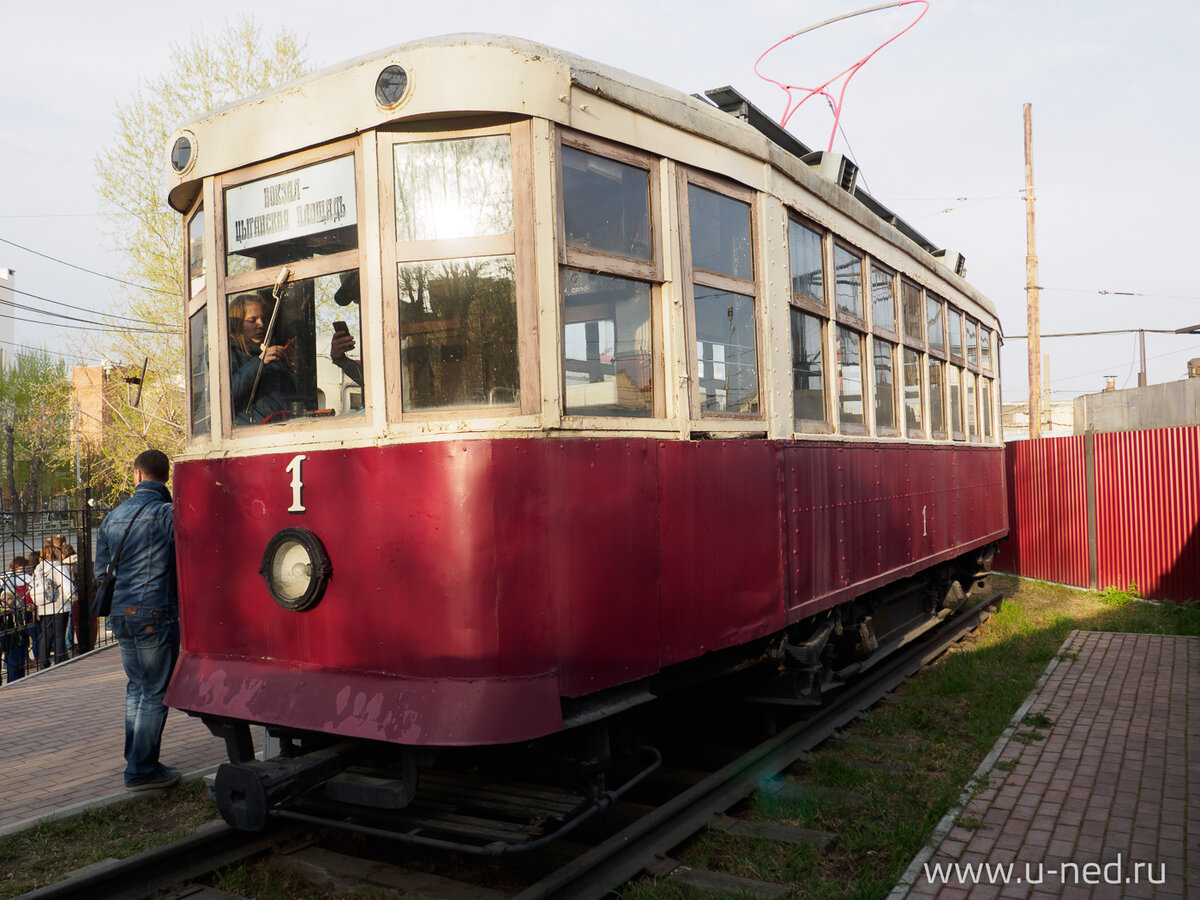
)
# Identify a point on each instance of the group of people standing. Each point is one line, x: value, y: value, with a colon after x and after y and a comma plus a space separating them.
x: 139, y: 551
x: 38, y: 597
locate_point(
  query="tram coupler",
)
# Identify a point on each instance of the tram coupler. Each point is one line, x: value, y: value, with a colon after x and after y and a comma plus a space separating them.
x: 247, y: 791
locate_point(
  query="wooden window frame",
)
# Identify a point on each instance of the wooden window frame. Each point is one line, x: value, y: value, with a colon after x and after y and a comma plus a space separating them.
x: 942, y: 352
x: 519, y: 244
x: 922, y: 389
x: 803, y: 301
x: 892, y: 335
x: 692, y: 276
x: 957, y: 428
x: 988, y: 368
x: 260, y: 279
x: 813, y: 426
x: 944, y: 433
x: 897, y: 428
x: 646, y: 271
x: 197, y: 304
x: 915, y: 341
x: 596, y: 261
x: 950, y: 312
x: 971, y: 352
x: 860, y: 323
x: 866, y: 380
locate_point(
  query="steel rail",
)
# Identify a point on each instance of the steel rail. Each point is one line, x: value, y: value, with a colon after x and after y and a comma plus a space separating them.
x: 212, y: 846
x: 603, y: 868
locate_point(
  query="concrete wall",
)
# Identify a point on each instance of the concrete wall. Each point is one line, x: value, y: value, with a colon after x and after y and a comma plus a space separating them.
x: 1170, y: 405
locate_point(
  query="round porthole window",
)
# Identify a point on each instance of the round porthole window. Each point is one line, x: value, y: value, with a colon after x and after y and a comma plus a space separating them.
x: 182, y: 154
x: 390, y: 86
x: 296, y: 569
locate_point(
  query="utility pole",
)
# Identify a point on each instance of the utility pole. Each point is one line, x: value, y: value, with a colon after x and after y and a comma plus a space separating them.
x: 1047, y: 409
x: 1142, y: 370
x: 1031, y: 288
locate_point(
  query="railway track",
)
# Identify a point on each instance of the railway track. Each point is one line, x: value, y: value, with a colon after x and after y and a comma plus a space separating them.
x: 632, y: 839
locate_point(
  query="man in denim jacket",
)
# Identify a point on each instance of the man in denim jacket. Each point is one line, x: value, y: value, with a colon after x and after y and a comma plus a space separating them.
x: 145, y: 614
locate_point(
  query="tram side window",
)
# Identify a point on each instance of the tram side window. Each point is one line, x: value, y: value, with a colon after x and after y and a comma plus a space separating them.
x: 808, y: 367
x: 972, y: 411
x: 807, y: 271
x: 810, y: 404
x: 198, y: 353
x: 914, y: 398
x: 851, y: 412
x: 607, y: 345
x: 608, y: 335
x: 910, y: 300
x: 606, y: 205
x: 955, y: 406
x: 883, y: 299
x: 937, y: 398
x: 985, y: 349
x: 954, y: 329
x: 985, y: 398
x: 885, y: 386
x: 934, y: 316
x: 201, y: 411
x: 295, y: 356
x: 847, y: 269
x: 725, y: 310
x: 720, y: 233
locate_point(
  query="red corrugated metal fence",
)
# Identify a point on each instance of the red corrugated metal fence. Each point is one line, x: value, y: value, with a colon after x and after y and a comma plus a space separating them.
x: 1047, y: 511
x: 1148, y: 511
x: 1107, y: 510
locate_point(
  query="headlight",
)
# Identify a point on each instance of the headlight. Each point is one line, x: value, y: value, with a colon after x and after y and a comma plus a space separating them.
x: 296, y: 569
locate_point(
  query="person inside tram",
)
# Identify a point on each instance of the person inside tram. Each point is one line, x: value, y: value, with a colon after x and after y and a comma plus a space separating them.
x: 343, y: 341
x: 257, y: 396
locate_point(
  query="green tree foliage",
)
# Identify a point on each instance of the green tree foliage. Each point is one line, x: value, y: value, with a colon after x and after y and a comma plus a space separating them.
x: 205, y: 73
x: 35, y: 415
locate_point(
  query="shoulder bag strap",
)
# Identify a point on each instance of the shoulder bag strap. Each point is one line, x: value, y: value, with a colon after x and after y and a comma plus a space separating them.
x: 112, y: 566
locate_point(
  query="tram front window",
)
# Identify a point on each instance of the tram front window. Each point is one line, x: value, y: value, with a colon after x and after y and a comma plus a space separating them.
x: 299, y: 356
x: 458, y: 333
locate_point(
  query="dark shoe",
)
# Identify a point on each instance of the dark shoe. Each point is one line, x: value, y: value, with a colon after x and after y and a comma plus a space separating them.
x: 165, y: 777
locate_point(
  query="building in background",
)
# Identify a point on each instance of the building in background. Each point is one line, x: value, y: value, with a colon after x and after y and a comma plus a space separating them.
x: 1169, y: 405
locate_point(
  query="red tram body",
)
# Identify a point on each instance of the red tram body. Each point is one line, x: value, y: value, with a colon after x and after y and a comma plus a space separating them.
x: 643, y: 398
x: 522, y: 577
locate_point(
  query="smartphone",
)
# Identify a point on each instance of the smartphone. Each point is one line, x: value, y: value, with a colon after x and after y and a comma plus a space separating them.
x: 340, y: 326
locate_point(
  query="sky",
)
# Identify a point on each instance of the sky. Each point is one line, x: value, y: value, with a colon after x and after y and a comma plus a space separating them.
x: 934, y: 121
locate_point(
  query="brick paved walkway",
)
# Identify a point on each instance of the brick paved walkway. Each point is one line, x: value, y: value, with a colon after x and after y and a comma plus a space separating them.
x: 62, y: 734
x: 1106, y: 803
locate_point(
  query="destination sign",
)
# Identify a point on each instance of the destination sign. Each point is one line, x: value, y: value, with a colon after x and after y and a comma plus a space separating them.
x: 295, y: 204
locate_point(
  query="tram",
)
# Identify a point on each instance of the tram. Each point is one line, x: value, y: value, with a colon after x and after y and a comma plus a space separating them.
x: 523, y: 388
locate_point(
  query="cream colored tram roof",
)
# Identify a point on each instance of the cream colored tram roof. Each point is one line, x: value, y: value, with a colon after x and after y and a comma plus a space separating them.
x: 469, y: 74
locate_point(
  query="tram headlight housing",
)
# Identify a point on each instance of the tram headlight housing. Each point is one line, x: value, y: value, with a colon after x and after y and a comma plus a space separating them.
x: 296, y: 569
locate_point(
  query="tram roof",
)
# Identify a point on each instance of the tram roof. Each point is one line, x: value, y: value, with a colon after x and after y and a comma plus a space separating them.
x: 470, y: 74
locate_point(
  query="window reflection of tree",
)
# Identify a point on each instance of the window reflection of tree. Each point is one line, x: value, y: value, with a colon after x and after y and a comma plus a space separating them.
x: 458, y: 326
x: 453, y: 189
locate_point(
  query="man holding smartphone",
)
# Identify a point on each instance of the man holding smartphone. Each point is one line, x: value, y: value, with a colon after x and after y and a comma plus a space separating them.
x: 342, y: 344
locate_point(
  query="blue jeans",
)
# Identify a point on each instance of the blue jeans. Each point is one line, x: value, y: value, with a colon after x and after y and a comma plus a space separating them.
x: 149, y: 649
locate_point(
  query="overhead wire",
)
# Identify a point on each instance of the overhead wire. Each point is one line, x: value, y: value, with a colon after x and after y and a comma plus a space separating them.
x: 167, y: 325
x: 63, y: 262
